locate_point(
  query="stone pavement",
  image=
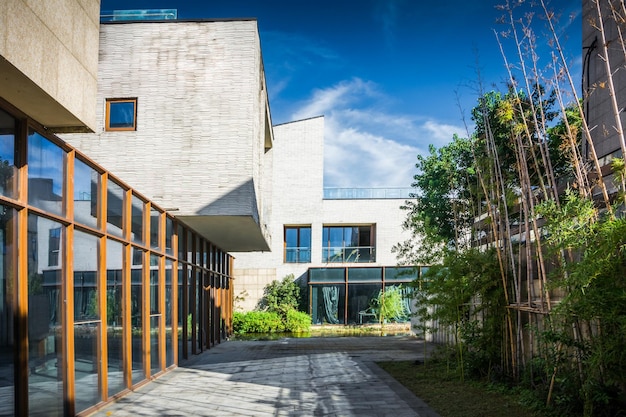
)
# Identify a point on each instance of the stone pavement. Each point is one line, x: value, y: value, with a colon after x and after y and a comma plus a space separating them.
x: 330, y: 376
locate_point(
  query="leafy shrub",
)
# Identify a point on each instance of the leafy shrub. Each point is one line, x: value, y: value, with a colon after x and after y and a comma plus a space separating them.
x: 297, y: 322
x: 257, y: 322
x: 281, y: 296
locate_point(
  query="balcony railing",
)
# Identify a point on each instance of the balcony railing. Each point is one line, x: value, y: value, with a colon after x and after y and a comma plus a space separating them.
x: 367, y: 193
x: 347, y: 254
x: 297, y: 255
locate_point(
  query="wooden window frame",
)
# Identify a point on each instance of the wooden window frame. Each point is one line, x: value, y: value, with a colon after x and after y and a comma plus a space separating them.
x: 107, y: 123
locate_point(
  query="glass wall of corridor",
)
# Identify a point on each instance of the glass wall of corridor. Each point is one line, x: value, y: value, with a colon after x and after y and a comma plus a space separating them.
x: 100, y: 289
x: 361, y: 295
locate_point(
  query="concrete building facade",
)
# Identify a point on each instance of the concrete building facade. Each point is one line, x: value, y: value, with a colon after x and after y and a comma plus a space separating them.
x: 345, y: 232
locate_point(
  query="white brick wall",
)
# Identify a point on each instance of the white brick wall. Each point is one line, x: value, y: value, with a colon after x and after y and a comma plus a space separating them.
x: 200, y: 114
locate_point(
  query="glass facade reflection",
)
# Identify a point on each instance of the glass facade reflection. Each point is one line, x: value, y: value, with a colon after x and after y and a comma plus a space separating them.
x: 91, y: 303
x: 7, y: 309
x: 361, y: 295
x: 45, y: 362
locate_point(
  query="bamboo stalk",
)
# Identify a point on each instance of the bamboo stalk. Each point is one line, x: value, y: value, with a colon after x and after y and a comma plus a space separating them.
x: 586, y: 131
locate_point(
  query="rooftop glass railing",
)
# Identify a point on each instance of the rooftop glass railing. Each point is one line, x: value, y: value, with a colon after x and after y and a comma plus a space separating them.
x: 144, y: 14
x: 367, y: 193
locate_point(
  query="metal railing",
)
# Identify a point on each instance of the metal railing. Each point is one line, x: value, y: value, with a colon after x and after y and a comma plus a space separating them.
x: 297, y: 255
x: 367, y: 193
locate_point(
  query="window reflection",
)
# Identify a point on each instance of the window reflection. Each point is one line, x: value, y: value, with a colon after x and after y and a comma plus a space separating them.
x: 45, y: 387
x: 155, y: 224
x: 45, y: 173
x: 114, y: 318
x: 136, y: 303
x: 115, y: 205
x: 86, y: 320
x: 169, y: 231
x: 7, y: 311
x: 85, y: 194
x: 328, y: 304
x: 137, y: 220
x: 8, y: 186
x: 155, y: 315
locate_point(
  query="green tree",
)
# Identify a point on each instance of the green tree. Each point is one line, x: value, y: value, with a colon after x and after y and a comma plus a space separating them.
x: 281, y: 296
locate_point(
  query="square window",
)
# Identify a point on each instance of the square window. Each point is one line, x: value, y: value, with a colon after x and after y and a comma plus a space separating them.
x: 121, y: 114
x: 297, y: 244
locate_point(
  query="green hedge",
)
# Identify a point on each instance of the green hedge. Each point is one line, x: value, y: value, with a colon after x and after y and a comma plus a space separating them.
x: 270, y: 322
x: 297, y: 322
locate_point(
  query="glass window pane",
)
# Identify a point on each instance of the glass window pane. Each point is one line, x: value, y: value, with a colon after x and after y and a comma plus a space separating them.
x: 327, y: 274
x: 115, y: 371
x: 363, y: 303
x: 85, y: 252
x: 85, y: 193
x: 8, y: 185
x: 86, y: 319
x: 169, y: 231
x: 115, y: 208
x: 189, y: 248
x: 7, y: 310
x: 46, y: 162
x: 398, y: 300
x: 121, y: 114
x: 181, y: 243
x: 137, y: 220
x: 155, y: 224
x: 155, y: 346
x: 403, y: 273
x: 291, y: 237
x: 155, y: 315
x: 45, y: 385
x: 328, y: 304
x: 136, y: 318
x: 365, y: 274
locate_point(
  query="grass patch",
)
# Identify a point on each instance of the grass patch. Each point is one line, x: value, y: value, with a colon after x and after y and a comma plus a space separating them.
x: 443, y: 390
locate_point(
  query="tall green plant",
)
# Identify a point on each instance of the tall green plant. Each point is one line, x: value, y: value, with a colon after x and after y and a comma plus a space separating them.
x: 281, y: 296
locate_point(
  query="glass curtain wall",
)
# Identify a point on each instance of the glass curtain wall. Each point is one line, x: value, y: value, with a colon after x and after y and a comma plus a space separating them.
x: 361, y: 295
x: 89, y: 266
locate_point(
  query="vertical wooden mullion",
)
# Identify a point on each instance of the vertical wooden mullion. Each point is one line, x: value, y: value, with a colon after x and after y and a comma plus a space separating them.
x: 145, y: 279
x: 231, y: 301
x: 145, y: 313
x: 103, y: 357
x: 101, y: 217
x: 67, y: 288
x: 20, y: 297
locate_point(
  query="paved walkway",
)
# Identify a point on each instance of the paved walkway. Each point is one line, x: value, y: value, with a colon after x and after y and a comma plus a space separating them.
x: 289, y: 377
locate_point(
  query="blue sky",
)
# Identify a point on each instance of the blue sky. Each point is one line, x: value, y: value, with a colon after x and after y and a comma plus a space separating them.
x: 390, y: 76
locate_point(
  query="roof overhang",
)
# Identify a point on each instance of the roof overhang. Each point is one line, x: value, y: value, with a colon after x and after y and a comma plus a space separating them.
x: 229, y: 233
x: 28, y: 97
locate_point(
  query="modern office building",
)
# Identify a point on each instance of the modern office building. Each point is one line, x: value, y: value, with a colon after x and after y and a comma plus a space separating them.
x: 336, y: 242
x: 120, y: 197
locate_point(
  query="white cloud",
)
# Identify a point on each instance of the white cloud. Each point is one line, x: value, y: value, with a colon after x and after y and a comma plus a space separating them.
x: 365, y: 144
